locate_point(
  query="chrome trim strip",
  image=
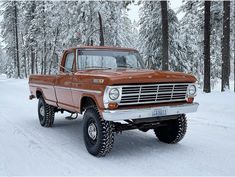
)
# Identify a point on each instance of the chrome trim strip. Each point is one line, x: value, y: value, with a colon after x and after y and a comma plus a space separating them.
x: 151, y: 102
x: 141, y: 113
x: 66, y: 88
x: 144, y: 84
x: 42, y: 85
x: 135, y: 94
x: 85, y: 90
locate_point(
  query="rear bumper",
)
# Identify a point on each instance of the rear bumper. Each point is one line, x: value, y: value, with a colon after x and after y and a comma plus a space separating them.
x: 119, y: 115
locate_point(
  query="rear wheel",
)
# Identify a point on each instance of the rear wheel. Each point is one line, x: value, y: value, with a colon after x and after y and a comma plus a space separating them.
x: 98, y: 133
x: 173, y: 131
x: 46, y: 113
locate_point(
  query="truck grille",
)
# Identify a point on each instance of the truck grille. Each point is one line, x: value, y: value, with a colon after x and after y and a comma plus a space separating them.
x: 154, y: 93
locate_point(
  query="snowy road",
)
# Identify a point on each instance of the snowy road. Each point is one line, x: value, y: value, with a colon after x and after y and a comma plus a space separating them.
x: 26, y: 148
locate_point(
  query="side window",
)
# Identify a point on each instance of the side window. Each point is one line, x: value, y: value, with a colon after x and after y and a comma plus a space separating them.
x: 69, y: 62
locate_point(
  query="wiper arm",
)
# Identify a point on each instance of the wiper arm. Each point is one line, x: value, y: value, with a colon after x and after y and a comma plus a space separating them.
x: 125, y: 66
x: 97, y: 67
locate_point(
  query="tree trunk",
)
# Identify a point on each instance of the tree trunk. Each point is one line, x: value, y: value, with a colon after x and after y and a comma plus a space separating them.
x: 32, y: 55
x: 165, y: 57
x: 16, y: 40
x: 42, y: 63
x: 32, y: 41
x: 36, y: 62
x: 25, y: 66
x: 225, y: 46
x: 207, y: 67
x: 44, y: 42
x: 44, y: 58
x: 28, y: 62
x: 24, y: 56
x: 234, y: 43
x: 101, y: 30
x: 53, y: 50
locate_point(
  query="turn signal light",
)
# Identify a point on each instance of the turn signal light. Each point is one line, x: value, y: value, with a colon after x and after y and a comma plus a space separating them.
x: 190, y: 100
x: 112, y: 106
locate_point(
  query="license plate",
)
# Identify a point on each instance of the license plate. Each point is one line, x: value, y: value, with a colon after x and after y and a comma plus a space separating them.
x: 158, y: 112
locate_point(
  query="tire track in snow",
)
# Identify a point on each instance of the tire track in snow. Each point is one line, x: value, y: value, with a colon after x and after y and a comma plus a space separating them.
x: 211, y: 124
x: 38, y: 146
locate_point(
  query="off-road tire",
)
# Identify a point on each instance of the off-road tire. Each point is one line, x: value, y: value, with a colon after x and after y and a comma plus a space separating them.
x: 173, y: 131
x: 104, y: 138
x: 47, y: 119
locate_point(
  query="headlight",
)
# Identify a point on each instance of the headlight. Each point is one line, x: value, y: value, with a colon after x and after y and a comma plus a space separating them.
x: 113, y: 94
x: 192, y: 90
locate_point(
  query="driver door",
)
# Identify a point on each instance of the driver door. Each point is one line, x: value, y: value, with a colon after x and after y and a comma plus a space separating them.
x: 64, y: 82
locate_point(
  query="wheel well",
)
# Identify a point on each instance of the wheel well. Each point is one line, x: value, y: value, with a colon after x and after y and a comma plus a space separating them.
x: 85, y: 102
x: 38, y: 93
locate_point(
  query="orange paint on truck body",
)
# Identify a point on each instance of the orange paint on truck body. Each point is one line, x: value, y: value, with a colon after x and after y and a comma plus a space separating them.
x: 66, y: 89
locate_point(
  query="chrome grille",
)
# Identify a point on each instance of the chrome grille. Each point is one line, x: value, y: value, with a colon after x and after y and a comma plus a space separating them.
x: 154, y: 93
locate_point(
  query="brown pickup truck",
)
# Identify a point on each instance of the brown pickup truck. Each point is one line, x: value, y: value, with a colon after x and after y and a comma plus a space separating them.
x: 114, y: 92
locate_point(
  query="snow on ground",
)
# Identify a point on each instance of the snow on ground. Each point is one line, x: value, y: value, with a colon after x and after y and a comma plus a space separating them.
x: 26, y: 148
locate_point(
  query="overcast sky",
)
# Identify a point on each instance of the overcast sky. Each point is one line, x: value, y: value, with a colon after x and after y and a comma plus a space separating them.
x: 134, y: 9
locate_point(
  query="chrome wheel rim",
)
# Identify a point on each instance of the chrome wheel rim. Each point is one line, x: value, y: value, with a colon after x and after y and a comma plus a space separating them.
x: 92, y: 131
x: 42, y: 111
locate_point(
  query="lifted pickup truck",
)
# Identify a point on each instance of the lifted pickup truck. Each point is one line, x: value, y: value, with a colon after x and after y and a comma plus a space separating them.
x: 114, y: 92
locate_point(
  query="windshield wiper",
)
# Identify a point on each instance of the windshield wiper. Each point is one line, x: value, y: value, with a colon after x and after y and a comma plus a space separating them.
x: 97, y: 67
x: 125, y: 66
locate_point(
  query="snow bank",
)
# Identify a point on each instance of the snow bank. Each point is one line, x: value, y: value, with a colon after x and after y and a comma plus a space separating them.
x: 3, y: 77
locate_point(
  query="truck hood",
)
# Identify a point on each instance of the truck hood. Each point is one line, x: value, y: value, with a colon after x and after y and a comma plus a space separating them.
x: 133, y: 76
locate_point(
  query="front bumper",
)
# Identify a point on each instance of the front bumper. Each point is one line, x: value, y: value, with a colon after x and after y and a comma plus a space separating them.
x: 119, y: 115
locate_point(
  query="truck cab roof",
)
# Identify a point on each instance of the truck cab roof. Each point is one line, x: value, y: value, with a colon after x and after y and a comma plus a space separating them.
x: 102, y: 48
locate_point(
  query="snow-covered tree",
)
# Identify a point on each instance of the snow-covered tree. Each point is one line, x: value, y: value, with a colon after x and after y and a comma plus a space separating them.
x: 150, y: 36
x: 46, y: 28
x: 192, y: 35
x: 2, y: 61
x: 9, y: 28
x: 216, y: 36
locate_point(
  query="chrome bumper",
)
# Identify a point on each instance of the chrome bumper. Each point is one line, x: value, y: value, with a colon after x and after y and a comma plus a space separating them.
x: 118, y: 115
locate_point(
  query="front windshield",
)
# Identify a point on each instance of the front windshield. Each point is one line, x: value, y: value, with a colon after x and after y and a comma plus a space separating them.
x: 103, y: 59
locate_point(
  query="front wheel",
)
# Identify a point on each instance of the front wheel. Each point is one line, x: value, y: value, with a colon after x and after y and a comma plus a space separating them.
x: 98, y: 133
x: 46, y: 113
x: 172, y: 131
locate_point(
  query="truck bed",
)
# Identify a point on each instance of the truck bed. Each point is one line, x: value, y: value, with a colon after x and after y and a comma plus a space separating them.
x: 44, y: 84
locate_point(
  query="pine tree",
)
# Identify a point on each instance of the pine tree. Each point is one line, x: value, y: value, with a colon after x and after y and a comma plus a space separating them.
x: 28, y: 35
x: 191, y: 29
x: 215, y: 40
x: 127, y: 32
x: 112, y: 16
x: 15, y: 24
x: 46, y: 28
x: 9, y: 27
x: 151, y: 41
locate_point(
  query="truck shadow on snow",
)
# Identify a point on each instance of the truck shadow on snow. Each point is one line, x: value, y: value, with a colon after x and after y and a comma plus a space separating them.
x: 128, y: 142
